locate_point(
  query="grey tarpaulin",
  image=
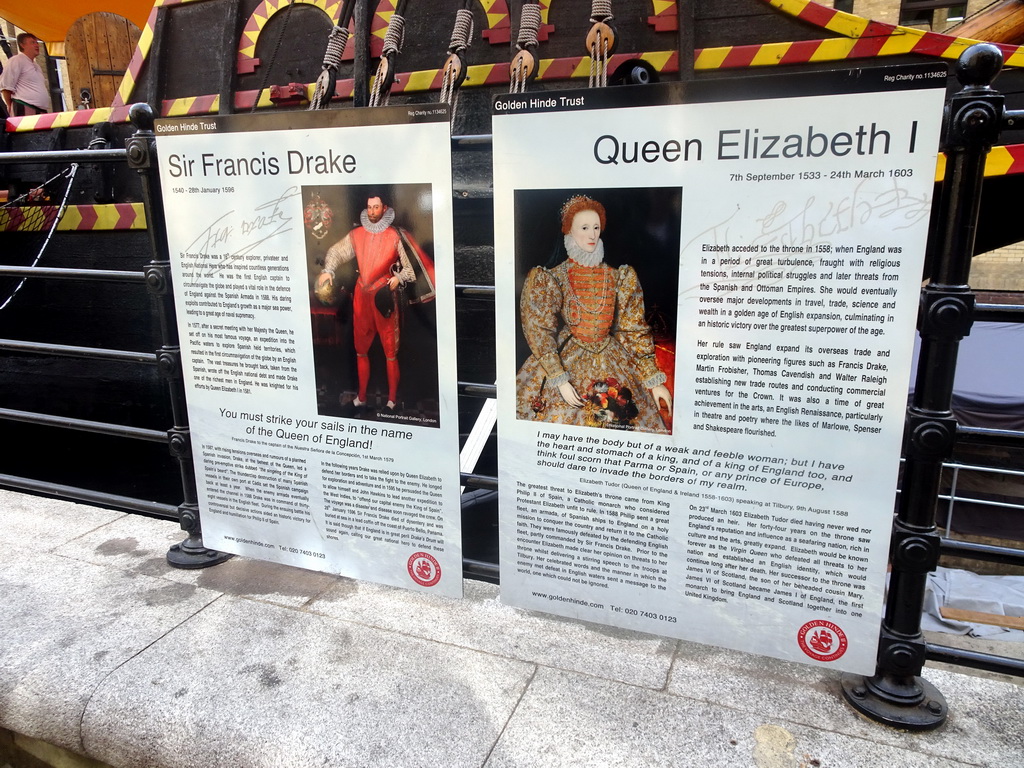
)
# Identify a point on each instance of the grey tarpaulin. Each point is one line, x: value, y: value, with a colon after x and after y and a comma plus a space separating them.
x: 1002, y: 595
x: 988, y: 392
x: 989, y: 387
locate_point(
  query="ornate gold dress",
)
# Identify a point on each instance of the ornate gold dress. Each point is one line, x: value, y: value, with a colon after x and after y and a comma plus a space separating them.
x: 585, y: 325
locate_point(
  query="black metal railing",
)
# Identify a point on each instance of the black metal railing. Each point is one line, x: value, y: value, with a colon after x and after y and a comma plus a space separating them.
x: 139, y: 155
x: 896, y: 694
x: 105, y: 156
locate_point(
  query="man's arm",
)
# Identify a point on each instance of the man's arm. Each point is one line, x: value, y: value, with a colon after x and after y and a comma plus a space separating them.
x: 338, y: 254
x: 407, y: 274
x: 9, y: 81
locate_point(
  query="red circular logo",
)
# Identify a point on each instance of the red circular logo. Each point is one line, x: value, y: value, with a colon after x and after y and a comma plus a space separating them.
x: 424, y: 569
x: 822, y: 640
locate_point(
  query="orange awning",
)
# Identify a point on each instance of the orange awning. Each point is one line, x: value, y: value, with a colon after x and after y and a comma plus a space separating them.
x: 49, y: 20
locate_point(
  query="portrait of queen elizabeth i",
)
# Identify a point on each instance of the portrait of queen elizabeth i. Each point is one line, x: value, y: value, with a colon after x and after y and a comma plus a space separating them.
x: 594, y: 359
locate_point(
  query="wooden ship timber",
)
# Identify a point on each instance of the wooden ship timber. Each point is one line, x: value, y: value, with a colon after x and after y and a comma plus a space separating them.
x: 198, y: 57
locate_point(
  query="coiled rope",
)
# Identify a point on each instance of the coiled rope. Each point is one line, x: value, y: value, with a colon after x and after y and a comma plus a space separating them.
x: 524, y: 63
x: 324, y: 89
x: 600, y: 42
x: 380, y: 93
x: 455, y: 65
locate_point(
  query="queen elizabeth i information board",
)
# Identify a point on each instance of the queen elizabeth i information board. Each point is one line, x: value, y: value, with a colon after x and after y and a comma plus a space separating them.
x: 706, y: 299
x: 312, y: 255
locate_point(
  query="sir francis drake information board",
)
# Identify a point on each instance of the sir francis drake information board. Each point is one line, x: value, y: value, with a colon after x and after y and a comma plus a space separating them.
x: 712, y: 299
x: 312, y: 258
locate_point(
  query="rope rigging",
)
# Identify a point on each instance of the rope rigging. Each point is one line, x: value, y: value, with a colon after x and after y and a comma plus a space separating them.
x: 601, y: 42
x: 69, y: 173
x: 273, y: 57
x: 380, y: 93
x: 454, y: 72
x: 324, y: 89
x: 523, y: 68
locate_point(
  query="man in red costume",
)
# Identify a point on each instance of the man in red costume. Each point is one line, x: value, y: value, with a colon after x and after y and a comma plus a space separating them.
x: 383, y: 258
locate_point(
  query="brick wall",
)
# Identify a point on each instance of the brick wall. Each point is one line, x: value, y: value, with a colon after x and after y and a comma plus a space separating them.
x: 999, y: 270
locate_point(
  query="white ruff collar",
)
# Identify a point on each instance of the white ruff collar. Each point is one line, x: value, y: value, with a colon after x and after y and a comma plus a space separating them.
x: 580, y: 256
x: 376, y: 227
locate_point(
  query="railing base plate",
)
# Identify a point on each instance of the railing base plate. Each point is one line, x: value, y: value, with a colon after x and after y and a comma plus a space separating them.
x: 180, y: 556
x: 924, y: 714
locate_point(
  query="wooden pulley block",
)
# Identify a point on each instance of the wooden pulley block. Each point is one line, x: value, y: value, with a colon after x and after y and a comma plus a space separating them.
x: 386, y: 73
x: 455, y: 69
x: 601, y: 38
x: 524, y: 62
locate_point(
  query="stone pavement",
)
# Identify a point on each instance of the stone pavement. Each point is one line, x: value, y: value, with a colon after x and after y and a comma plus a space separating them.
x: 109, y: 653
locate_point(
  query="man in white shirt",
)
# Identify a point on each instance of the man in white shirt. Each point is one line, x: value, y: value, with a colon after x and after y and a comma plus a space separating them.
x: 22, y: 84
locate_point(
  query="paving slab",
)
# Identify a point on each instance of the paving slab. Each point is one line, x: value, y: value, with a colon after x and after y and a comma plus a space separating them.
x: 984, y: 726
x: 288, y: 688
x: 139, y: 545
x: 570, y: 719
x: 480, y: 621
x: 107, y: 651
x: 41, y: 523
x: 66, y: 625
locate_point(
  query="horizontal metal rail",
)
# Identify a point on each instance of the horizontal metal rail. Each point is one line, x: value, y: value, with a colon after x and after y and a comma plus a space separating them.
x: 477, y: 141
x: 109, y: 275
x: 999, y: 313
x: 83, y: 425
x: 470, y: 480
x: 477, y: 390
x: 991, y: 553
x: 984, y: 468
x: 127, y: 503
x: 481, y: 570
x: 474, y: 291
x: 986, y: 436
x: 974, y: 659
x: 67, y: 350
x: 65, y: 156
x: 953, y: 497
x: 980, y: 502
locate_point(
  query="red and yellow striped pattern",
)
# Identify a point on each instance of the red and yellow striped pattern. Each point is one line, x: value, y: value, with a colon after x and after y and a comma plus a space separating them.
x: 379, y: 26
x: 499, y: 23
x: 859, y: 38
x: 77, y: 119
x: 1006, y: 160
x: 666, y: 16
x: 77, y: 218
x: 427, y: 80
x: 247, y: 61
x: 124, y: 93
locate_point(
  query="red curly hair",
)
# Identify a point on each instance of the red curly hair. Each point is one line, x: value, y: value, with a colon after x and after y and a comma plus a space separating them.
x: 576, y: 204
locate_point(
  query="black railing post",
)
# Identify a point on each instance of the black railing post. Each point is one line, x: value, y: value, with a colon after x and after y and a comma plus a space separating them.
x: 896, y: 695
x: 141, y: 149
